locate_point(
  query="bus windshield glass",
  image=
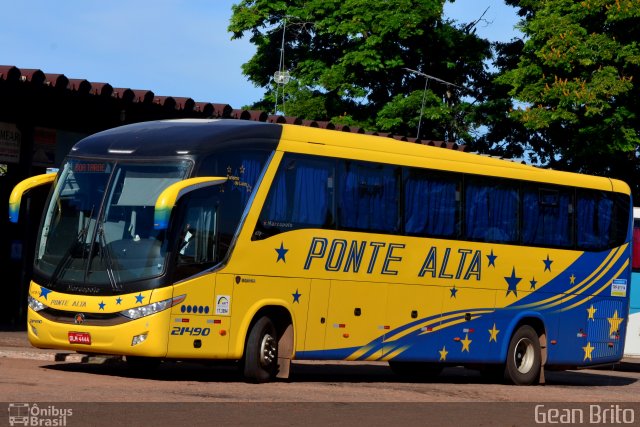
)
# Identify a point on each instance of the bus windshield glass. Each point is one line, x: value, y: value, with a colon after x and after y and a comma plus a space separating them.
x: 98, y: 227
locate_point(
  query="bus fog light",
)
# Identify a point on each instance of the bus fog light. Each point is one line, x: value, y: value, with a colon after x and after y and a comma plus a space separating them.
x: 34, y: 330
x: 138, y: 339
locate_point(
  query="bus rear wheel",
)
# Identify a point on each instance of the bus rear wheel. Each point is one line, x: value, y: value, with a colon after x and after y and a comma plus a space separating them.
x: 261, y: 352
x: 524, y: 357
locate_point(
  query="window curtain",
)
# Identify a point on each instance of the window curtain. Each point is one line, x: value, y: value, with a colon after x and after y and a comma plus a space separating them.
x: 300, y: 194
x: 594, y: 215
x: 369, y: 199
x: 491, y: 213
x: 546, y: 224
x: 278, y: 198
x: 249, y: 172
x: 430, y: 206
x: 310, y: 198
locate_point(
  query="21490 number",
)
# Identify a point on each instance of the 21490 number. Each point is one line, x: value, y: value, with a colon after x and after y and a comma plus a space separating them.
x: 186, y: 330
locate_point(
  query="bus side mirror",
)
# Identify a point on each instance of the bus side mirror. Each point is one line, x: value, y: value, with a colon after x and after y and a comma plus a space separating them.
x: 170, y: 195
x: 22, y: 188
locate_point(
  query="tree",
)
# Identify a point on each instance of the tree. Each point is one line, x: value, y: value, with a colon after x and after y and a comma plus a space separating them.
x: 348, y: 60
x: 576, y: 78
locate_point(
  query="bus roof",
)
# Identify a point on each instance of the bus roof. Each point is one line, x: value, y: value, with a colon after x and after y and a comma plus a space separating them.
x: 169, y: 138
x: 385, y: 150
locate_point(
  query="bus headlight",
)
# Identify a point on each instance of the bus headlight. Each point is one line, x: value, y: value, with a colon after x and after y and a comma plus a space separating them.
x: 35, y: 305
x: 149, y: 309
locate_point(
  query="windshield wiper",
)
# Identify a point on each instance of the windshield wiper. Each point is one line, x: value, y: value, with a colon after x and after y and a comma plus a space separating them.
x: 105, y: 254
x: 66, y: 258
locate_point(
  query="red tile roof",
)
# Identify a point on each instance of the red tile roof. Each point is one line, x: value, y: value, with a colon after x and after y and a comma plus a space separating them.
x: 142, y: 96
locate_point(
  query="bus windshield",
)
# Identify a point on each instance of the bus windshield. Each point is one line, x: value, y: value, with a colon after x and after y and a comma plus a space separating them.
x: 98, y: 228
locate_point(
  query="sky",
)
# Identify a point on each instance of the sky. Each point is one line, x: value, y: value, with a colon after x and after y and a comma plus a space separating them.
x: 177, y: 48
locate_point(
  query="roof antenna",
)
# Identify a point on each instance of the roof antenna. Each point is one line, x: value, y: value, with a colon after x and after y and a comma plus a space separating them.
x: 424, y: 94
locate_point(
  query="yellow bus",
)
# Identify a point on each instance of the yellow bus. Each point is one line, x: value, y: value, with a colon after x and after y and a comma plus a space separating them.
x: 264, y: 243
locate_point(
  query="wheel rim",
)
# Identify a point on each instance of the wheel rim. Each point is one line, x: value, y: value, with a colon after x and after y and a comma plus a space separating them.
x: 268, y: 350
x: 524, y: 355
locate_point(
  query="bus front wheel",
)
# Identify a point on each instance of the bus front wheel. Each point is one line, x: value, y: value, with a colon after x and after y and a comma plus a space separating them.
x: 524, y: 357
x: 261, y: 352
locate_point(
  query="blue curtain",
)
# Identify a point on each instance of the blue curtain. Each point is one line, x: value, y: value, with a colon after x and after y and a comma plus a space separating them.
x: 594, y: 217
x: 369, y: 199
x: 430, y: 206
x: 300, y: 194
x: 546, y: 222
x: 249, y: 172
x: 491, y: 213
x: 277, y: 201
x: 310, y: 198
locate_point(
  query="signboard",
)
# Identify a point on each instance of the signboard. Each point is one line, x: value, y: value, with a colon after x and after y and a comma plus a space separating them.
x: 9, y: 143
x: 44, y: 147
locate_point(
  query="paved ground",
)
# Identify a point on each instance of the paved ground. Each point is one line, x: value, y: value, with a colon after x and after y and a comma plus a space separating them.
x: 319, y: 393
x: 15, y: 345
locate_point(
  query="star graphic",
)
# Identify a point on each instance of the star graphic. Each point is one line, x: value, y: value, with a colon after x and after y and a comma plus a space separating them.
x: 101, y: 305
x: 44, y: 292
x: 281, y: 252
x: 533, y: 283
x: 614, y: 323
x: 591, y: 310
x: 296, y: 296
x: 587, y: 351
x: 492, y: 259
x: 513, y: 281
x: 241, y: 169
x: 547, y: 263
x: 466, y: 342
x: 453, y: 291
x: 572, y: 279
x: 139, y: 298
x: 443, y: 353
x: 118, y: 300
x: 493, y: 333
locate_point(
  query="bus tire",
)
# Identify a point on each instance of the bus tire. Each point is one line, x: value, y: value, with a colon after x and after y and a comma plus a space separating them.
x: 523, y: 357
x: 261, y: 352
x: 415, y: 370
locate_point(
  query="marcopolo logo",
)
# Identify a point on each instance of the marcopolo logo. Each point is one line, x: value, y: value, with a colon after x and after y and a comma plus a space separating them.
x: 33, y: 415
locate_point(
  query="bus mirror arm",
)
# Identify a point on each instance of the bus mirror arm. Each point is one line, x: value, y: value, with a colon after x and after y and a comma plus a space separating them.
x: 22, y: 188
x: 170, y: 196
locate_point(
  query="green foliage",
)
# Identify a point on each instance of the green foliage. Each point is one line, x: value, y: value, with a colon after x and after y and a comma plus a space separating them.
x: 577, y: 79
x: 347, y: 61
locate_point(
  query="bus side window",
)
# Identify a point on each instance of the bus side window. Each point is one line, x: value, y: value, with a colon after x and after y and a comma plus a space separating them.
x: 594, y: 216
x: 491, y: 211
x: 369, y: 197
x: 301, y: 196
x: 547, y: 216
x: 431, y: 204
x: 197, y: 236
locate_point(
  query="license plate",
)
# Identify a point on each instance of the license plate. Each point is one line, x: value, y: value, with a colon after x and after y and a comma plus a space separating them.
x: 79, y: 338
